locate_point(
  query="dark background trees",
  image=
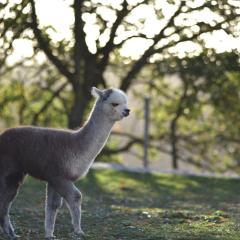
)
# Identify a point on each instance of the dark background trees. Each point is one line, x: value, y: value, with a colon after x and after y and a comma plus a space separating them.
x: 202, y: 109
x: 56, y: 90
x: 83, y: 68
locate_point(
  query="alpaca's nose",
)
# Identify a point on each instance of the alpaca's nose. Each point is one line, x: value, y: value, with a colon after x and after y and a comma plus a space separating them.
x: 126, y: 112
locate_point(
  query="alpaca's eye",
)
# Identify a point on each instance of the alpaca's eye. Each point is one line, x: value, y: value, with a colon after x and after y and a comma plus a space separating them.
x: 115, y: 104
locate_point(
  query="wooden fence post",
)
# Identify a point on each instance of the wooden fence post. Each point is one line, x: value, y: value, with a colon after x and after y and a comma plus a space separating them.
x: 146, y: 131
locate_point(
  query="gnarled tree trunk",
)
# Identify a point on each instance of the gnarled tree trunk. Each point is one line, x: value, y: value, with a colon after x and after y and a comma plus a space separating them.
x: 79, y: 106
x: 174, y: 125
x: 86, y: 77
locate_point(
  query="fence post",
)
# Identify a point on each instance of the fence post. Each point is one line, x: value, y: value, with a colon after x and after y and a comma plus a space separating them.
x: 146, y: 131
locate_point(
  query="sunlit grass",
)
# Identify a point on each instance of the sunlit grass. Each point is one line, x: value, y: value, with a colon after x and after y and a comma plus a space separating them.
x: 121, y: 206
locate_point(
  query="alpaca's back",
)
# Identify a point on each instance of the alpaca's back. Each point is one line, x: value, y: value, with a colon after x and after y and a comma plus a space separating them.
x: 39, y: 152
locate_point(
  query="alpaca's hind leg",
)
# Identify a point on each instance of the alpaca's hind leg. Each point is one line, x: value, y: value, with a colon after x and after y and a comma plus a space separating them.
x: 8, y: 190
x: 53, y: 202
x: 73, y: 198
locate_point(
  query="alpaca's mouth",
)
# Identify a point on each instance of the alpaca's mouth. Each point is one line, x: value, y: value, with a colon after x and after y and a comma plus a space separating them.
x: 126, y: 112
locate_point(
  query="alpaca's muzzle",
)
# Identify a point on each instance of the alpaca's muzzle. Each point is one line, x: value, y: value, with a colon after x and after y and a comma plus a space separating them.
x: 126, y: 112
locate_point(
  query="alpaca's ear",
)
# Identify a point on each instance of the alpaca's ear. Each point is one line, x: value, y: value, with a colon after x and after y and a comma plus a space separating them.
x: 96, y: 92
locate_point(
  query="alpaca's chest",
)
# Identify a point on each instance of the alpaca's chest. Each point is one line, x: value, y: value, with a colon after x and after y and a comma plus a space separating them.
x: 82, y: 159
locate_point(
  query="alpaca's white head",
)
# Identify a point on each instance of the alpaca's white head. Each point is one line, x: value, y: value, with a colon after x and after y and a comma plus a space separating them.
x: 113, y: 102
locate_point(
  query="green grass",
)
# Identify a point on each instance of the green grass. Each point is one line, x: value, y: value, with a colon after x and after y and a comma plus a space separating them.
x: 121, y: 206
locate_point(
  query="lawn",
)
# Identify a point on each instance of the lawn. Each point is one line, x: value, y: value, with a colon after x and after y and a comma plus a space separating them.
x: 133, y: 206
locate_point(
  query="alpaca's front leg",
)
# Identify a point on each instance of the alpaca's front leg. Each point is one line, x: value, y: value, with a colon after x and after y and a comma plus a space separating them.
x: 73, y: 198
x: 53, y: 202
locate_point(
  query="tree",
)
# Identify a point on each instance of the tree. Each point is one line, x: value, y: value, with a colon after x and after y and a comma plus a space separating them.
x: 33, y: 95
x: 199, y: 111
x: 84, y: 68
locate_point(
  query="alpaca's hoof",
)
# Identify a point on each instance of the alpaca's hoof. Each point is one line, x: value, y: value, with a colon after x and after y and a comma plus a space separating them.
x: 12, y: 236
x: 80, y: 234
x: 9, y: 232
x: 50, y: 237
x: 15, y: 237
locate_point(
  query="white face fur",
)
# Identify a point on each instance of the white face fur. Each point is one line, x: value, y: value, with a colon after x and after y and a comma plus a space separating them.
x: 114, y: 102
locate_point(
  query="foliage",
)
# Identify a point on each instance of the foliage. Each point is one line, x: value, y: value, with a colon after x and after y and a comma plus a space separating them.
x: 120, y: 205
x: 199, y: 114
x: 84, y: 58
x: 200, y: 96
x: 33, y: 96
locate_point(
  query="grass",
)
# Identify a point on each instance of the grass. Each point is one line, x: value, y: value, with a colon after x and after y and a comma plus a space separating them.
x: 121, y: 206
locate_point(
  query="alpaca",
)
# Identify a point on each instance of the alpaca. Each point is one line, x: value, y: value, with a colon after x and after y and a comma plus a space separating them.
x: 59, y: 157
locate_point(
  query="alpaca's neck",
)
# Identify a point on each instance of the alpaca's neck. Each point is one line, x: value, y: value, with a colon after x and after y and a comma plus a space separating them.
x: 89, y: 141
x: 94, y: 134
x: 98, y: 124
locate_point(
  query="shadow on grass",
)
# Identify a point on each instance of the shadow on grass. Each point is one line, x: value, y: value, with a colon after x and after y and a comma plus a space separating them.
x: 132, y: 206
x: 162, y: 190
x: 146, y: 206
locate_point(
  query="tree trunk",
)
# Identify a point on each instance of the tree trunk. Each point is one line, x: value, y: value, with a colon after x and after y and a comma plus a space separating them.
x: 174, y: 144
x: 174, y: 124
x: 79, y: 106
x: 85, y: 79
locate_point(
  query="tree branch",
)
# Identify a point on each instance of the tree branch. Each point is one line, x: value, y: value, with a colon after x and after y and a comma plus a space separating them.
x: 48, y: 103
x: 140, y: 35
x: 110, y: 45
x: 125, y: 148
x: 126, y: 82
x: 207, y: 28
x: 45, y: 45
x: 10, y: 47
x: 133, y: 141
x: 8, y: 99
x: 20, y: 63
x: 108, y: 48
x: 142, y: 60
